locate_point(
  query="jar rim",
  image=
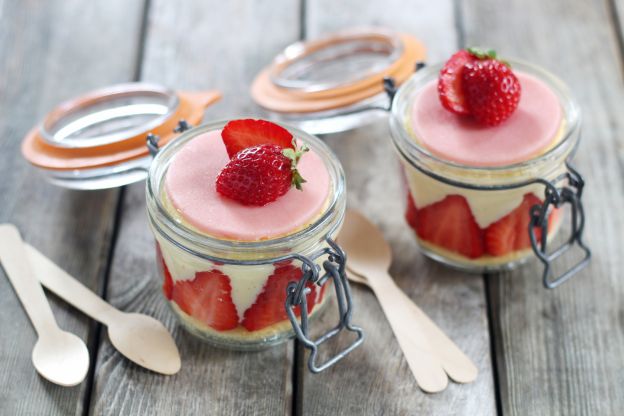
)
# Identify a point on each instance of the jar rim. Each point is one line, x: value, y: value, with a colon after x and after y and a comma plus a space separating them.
x: 324, y: 225
x: 414, y: 152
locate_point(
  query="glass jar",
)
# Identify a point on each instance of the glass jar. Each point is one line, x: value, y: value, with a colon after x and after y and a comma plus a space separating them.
x: 309, y: 258
x: 539, y: 186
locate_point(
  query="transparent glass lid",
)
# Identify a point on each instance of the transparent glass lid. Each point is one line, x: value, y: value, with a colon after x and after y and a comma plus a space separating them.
x: 335, y: 61
x: 109, y: 115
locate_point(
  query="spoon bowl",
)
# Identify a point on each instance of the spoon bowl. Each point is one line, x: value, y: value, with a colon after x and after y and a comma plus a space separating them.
x: 145, y: 341
x: 61, y: 357
x: 365, y: 244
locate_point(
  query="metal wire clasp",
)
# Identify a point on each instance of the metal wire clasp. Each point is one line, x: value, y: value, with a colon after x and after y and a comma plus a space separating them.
x: 389, y: 85
x: 152, y: 139
x: 334, y: 268
x: 539, y: 220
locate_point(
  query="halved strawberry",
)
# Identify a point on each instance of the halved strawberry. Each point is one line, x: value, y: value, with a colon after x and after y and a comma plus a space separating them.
x: 411, y: 212
x: 268, y: 308
x: 510, y: 233
x: 241, y: 134
x: 450, y: 224
x: 167, y: 279
x: 450, y: 82
x: 208, y: 298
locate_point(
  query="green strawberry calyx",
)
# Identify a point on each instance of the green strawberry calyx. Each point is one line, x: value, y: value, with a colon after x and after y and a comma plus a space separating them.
x: 294, y: 155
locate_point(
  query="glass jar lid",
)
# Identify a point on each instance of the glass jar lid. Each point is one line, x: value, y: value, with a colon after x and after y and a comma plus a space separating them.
x: 330, y: 84
x: 98, y: 140
x: 335, y: 61
x: 108, y: 115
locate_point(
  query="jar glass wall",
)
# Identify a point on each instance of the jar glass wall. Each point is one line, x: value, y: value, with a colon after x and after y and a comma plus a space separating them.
x: 191, y: 260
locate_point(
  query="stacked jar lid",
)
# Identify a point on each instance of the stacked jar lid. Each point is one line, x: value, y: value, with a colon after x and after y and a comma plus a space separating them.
x: 98, y: 141
x: 336, y: 83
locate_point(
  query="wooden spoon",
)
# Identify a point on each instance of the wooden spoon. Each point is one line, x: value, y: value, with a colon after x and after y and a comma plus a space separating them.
x: 456, y: 364
x: 369, y: 255
x: 59, y: 356
x: 140, y: 338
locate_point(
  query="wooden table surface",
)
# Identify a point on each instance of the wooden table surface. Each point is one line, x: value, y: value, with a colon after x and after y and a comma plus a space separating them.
x: 539, y: 352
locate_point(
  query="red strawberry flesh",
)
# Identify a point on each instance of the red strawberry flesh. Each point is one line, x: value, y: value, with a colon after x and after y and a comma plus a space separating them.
x: 511, y: 233
x: 450, y: 224
x: 268, y: 308
x: 450, y: 88
x: 207, y: 298
x: 491, y: 90
x: 167, y: 279
x: 241, y: 134
x: 256, y: 175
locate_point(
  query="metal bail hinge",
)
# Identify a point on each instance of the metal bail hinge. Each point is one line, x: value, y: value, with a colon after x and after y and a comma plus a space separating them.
x: 390, y: 87
x: 539, y: 220
x: 182, y: 126
x: 152, y: 139
x: 296, y: 293
x: 152, y: 144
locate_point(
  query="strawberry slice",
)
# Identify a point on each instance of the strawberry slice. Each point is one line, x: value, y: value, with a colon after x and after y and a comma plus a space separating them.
x: 510, y: 233
x: 450, y: 224
x: 167, y: 279
x: 241, y: 134
x: 208, y: 298
x: 269, y: 306
x: 450, y: 82
x: 411, y: 212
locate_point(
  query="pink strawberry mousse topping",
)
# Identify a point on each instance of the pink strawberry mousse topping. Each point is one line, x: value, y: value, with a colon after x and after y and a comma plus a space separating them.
x: 529, y: 131
x: 190, y: 186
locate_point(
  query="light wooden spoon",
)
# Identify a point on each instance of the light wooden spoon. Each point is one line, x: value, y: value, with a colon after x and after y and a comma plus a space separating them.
x: 140, y: 338
x: 59, y: 356
x: 369, y: 255
x: 456, y: 364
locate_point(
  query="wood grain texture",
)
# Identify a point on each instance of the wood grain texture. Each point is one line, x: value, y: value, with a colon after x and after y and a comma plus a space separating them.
x: 50, y: 51
x: 195, y: 45
x: 376, y: 378
x: 562, y: 351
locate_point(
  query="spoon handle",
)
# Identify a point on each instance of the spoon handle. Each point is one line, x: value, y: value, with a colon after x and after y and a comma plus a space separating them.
x: 457, y: 365
x: 411, y: 336
x: 68, y: 288
x: 16, y: 264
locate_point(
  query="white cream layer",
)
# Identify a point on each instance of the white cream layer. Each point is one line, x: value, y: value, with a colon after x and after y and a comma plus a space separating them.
x: 246, y: 281
x: 486, y: 206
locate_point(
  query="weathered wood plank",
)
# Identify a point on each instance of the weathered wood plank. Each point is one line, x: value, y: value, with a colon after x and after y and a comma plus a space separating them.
x: 50, y: 51
x: 376, y: 378
x: 195, y: 45
x: 562, y: 351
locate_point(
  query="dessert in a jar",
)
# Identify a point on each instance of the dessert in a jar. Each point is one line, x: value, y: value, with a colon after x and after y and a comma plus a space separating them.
x: 482, y: 142
x: 242, y: 212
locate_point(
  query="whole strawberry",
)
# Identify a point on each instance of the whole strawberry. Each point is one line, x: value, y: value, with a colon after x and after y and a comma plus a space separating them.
x: 260, y: 174
x: 476, y: 83
x: 491, y: 89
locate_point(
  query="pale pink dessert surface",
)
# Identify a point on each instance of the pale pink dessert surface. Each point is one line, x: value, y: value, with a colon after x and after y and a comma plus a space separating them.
x: 190, y: 186
x: 529, y: 131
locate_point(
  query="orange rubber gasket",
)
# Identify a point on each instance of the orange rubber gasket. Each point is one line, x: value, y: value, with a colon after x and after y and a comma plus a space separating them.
x: 273, y: 98
x: 310, y: 47
x: 38, y: 152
